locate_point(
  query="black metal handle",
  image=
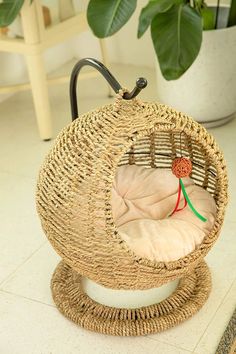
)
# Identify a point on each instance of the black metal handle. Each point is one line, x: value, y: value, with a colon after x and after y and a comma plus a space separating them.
x: 141, y: 83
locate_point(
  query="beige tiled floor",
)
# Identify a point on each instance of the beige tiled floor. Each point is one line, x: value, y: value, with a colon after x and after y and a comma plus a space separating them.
x: 29, y: 321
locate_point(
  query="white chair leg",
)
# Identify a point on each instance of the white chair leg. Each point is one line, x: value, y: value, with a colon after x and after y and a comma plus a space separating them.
x: 38, y: 81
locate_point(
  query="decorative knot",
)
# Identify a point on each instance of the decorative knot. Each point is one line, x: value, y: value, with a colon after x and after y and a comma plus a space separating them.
x: 181, y: 167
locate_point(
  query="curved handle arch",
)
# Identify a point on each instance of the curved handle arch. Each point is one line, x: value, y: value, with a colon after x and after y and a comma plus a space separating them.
x: 141, y: 83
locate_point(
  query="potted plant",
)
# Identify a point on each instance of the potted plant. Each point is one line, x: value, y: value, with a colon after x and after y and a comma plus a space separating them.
x: 195, y: 46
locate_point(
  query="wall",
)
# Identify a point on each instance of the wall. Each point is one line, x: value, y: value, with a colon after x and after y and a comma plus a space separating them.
x: 123, y: 47
x: 131, y: 50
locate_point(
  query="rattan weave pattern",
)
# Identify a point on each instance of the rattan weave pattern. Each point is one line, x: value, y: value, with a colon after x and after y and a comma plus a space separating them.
x: 188, y: 298
x: 74, y: 188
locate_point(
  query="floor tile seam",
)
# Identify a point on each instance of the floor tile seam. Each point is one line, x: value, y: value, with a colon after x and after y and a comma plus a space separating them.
x: 27, y: 298
x: 21, y: 264
x: 215, y: 313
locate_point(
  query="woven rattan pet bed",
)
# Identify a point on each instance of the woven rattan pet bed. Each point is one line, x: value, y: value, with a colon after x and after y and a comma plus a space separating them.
x: 87, y: 154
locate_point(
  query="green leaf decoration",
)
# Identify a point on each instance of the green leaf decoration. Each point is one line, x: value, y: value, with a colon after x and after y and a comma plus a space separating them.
x: 106, y: 17
x: 202, y: 218
x: 177, y: 37
x: 9, y: 9
x: 150, y: 11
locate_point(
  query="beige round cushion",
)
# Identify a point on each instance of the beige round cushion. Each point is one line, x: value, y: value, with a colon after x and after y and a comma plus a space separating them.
x: 142, y: 201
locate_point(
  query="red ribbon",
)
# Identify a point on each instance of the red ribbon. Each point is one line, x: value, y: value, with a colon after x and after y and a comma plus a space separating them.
x: 178, y: 201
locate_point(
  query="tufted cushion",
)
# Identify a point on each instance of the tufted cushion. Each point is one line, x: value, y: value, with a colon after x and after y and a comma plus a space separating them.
x: 142, y: 200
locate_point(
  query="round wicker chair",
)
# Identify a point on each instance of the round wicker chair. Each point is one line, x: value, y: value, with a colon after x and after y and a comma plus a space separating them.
x: 74, y: 204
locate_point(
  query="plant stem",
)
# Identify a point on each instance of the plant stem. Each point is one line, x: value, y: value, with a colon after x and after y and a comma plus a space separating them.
x: 217, y: 13
x: 232, y: 14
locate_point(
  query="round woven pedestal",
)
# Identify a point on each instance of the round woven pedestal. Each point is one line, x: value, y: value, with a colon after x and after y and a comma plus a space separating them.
x: 188, y: 298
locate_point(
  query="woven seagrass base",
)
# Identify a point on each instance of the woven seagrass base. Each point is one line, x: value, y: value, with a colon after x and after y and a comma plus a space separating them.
x: 190, y: 295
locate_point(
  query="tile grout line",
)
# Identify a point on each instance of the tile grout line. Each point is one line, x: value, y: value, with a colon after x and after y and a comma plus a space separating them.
x: 171, y: 345
x: 27, y: 298
x: 21, y: 264
x: 214, y: 314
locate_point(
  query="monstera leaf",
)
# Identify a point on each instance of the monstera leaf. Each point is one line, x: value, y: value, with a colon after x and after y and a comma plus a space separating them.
x: 9, y: 9
x: 105, y: 17
x: 177, y: 37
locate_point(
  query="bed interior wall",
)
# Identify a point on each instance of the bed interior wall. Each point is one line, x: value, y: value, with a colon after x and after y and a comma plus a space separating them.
x: 159, y: 149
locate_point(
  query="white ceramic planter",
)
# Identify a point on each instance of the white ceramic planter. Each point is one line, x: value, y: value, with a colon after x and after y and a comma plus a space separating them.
x: 207, y: 91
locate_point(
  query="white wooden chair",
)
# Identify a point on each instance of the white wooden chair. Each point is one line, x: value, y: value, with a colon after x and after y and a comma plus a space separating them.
x: 36, y: 39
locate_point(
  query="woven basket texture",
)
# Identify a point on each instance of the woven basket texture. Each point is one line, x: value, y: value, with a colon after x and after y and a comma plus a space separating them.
x: 75, y: 182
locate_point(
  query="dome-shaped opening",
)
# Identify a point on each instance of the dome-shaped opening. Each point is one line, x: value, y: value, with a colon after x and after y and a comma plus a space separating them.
x: 139, y: 202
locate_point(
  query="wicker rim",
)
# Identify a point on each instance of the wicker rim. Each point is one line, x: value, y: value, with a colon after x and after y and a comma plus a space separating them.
x: 190, y: 295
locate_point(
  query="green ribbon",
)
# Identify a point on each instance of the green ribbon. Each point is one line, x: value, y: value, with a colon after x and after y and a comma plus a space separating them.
x: 189, y: 202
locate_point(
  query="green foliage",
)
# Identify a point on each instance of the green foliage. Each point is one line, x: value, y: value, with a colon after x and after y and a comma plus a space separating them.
x: 107, y: 17
x: 232, y: 14
x: 9, y: 9
x: 150, y: 11
x: 208, y: 18
x: 177, y: 37
x: 176, y: 26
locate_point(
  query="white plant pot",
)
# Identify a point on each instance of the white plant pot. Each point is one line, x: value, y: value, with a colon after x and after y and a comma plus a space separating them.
x: 207, y: 91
